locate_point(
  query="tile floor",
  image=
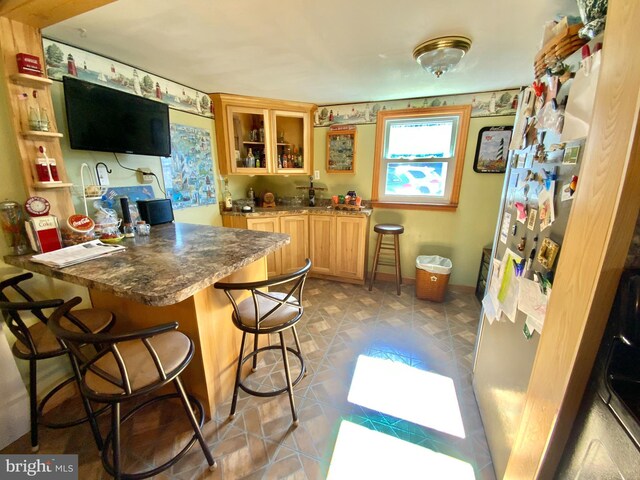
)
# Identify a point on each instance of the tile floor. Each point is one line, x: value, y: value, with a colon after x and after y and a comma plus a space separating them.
x: 341, y: 322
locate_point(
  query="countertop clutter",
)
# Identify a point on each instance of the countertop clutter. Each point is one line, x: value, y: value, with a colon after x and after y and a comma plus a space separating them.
x: 165, y: 268
x: 295, y: 210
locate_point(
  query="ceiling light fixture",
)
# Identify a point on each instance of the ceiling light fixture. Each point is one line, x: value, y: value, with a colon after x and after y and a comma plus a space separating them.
x: 441, y: 54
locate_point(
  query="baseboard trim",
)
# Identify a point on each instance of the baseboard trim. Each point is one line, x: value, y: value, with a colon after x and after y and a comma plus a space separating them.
x: 391, y: 277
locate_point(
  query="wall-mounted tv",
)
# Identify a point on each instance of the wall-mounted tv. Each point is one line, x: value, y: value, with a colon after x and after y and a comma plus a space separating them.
x: 108, y: 120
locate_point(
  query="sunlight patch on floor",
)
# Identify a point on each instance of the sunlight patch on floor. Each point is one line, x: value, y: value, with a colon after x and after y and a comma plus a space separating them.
x: 406, y: 392
x: 363, y: 453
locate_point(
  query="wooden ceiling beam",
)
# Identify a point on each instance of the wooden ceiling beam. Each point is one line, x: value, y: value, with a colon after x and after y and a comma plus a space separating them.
x: 42, y: 13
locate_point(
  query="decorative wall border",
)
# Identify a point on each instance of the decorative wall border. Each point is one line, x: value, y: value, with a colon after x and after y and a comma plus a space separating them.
x: 483, y: 104
x: 62, y: 59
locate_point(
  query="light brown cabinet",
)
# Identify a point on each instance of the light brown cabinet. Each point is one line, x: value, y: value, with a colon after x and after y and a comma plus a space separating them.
x: 266, y: 224
x: 351, y: 247
x: 258, y: 136
x: 322, y: 239
x: 295, y: 254
x: 336, y: 244
x: 289, y: 258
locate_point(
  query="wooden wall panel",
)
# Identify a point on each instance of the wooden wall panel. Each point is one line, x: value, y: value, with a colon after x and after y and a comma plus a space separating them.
x: 42, y: 13
x: 597, y: 239
x: 16, y: 37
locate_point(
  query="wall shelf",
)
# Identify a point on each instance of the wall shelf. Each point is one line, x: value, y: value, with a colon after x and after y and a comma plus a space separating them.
x: 30, y: 80
x: 39, y: 134
x: 50, y: 185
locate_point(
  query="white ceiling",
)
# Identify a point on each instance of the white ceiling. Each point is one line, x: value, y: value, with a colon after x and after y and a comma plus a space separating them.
x: 334, y: 51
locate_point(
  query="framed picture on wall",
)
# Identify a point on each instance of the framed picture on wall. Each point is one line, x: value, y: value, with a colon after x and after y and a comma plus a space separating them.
x: 341, y: 149
x: 492, y: 150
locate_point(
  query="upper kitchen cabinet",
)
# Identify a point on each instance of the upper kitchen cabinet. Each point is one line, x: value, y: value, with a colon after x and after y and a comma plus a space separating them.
x: 259, y: 136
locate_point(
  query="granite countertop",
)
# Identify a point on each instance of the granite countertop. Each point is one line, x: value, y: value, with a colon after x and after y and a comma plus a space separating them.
x: 173, y: 263
x: 301, y: 210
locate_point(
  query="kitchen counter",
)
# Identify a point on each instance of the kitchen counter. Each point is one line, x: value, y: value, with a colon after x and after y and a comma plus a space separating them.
x: 300, y: 210
x: 174, y: 262
x: 169, y: 277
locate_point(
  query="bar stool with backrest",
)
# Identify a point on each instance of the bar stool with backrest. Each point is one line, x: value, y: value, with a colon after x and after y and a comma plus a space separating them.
x: 395, y: 231
x: 36, y: 342
x: 126, y: 367
x: 265, y: 313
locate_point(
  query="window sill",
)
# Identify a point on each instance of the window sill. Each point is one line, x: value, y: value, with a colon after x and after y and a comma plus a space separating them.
x: 415, y: 206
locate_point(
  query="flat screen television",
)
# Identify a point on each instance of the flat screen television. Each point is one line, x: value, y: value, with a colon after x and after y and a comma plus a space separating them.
x: 108, y: 120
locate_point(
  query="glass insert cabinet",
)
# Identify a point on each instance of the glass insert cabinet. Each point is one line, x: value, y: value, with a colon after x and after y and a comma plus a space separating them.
x: 258, y: 136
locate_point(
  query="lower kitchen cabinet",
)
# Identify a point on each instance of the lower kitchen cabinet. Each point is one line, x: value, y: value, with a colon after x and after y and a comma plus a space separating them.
x: 265, y: 224
x: 295, y: 254
x: 351, y: 247
x: 322, y: 239
x: 336, y: 244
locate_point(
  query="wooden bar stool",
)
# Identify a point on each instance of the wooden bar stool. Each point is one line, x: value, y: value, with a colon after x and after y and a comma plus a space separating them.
x: 382, y: 230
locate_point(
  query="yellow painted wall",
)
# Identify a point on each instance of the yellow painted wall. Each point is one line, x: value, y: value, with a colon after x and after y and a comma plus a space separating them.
x: 458, y: 235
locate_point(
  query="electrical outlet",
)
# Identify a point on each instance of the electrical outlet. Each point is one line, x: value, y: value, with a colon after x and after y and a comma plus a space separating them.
x: 144, y: 175
x: 316, y: 174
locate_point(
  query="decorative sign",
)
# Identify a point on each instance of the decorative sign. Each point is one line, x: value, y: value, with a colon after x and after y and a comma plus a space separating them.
x: 62, y: 59
x: 188, y: 174
x: 492, y: 150
x: 341, y: 149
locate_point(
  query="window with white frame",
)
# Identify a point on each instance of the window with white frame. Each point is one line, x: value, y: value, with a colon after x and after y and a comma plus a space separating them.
x: 419, y: 157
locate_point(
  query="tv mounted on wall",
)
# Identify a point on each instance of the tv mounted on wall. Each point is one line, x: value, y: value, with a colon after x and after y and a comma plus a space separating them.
x: 107, y: 120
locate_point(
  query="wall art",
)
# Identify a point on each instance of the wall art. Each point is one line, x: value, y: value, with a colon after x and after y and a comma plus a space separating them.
x: 483, y: 104
x: 188, y: 173
x: 492, y: 149
x: 341, y: 149
x: 62, y: 59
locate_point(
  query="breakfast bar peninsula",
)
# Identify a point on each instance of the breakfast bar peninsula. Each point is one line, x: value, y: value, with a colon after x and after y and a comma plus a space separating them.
x: 169, y: 277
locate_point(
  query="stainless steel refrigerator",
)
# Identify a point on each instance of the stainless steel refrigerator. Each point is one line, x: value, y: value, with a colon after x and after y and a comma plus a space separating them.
x: 546, y: 170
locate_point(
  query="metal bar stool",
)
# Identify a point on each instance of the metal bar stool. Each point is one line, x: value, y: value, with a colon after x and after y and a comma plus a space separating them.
x: 382, y: 230
x: 126, y: 367
x: 36, y: 342
x: 265, y: 313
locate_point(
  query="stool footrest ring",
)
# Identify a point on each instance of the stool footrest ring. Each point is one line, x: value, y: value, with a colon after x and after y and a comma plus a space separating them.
x: 70, y: 423
x: 273, y: 393
x: 172, y: 461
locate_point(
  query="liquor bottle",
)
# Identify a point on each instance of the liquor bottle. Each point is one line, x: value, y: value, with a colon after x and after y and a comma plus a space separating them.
x: 226, y: 196
x: 312, y: 194
x: 261, y: 132
x: 280, y: 160
x: 251, y: 160
x: 251, y: 196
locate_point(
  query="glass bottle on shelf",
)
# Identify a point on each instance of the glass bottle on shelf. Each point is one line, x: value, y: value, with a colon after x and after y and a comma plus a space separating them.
x: 34, y: 113
x: 44, y: 120
x: 251, y: 160
x: 261, y: 132
x: 226, y: 196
